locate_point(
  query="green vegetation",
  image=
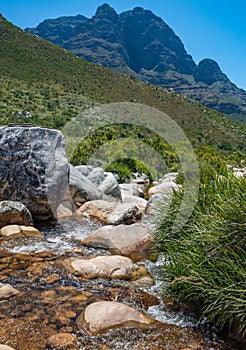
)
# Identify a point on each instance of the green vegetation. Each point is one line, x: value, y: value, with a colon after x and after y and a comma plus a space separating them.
x: 55, y: 85
x: 206, y: 257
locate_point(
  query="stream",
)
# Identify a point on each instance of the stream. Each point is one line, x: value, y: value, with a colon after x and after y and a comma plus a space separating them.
x: 51, y: 298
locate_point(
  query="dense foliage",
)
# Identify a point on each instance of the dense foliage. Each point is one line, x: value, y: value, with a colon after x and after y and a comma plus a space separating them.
x: 206, y: 257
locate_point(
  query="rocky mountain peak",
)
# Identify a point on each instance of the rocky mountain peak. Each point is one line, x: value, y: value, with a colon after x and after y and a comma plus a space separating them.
x: 105, y: 11
x: 209, y: 72
x: 139, y: 43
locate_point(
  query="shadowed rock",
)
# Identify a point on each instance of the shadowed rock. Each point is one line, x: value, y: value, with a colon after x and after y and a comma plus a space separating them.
x: 34, y: 168
x: 14, y: 213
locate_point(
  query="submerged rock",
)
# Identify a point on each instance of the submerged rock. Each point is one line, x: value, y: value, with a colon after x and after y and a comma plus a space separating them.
x: 7, y: 291
x: 14, y: 213
x: 134, y: 241
x: 34, y: 168
x: 62, y: 341
x: 108, y: 267
x: 102, y: 316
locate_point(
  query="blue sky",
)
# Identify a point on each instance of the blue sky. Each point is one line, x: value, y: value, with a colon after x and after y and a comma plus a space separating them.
x: 208, y: 28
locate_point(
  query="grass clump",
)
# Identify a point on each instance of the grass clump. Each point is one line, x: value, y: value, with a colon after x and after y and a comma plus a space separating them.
x: 206, y: 257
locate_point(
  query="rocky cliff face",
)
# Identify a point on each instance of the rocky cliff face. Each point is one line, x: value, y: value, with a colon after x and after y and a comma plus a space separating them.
x: 139, y: 43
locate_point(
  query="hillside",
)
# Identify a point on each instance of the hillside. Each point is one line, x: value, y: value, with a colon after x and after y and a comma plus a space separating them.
x: 53, y: 85
x: 139, y: 43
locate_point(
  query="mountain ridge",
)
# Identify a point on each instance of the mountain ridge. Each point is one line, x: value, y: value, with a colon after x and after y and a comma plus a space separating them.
x: 139, y: 43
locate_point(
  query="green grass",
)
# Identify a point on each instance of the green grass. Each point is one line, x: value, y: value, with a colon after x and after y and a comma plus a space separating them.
x: 207, y: 257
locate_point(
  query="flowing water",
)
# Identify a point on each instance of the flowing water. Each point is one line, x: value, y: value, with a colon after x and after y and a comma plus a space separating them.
x: 51, y: 298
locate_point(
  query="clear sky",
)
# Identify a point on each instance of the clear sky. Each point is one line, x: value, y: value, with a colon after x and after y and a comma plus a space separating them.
x: 208, y: 28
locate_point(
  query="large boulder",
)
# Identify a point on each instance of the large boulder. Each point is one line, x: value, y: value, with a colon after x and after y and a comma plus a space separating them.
x: 81, y: 188
x: 34, y: 168
x: 134, y: 241
x: 14, y: 213
x: 110, y: 213
x: 101, y: 316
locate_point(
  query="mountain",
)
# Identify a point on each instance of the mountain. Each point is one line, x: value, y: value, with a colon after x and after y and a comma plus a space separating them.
x: 44, y: 84
x: 139, y: 43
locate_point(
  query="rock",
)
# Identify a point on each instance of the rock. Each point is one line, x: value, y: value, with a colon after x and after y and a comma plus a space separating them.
x: 81, y: 188
x: 166, y: 187
x: 169, y: 177
x: 102, y: 316
x: 62, y: 340
x: 109, y: 186
x: 84, y: 169
x: 7, y: 291
x: 131, y: 189
x: 63, y: 212
x: 134, y: 241
x: 140, y: 203
x: 13, y: 231
x: 96, y: 176
x: 238, y: 173
x: 14, y: 213
x: 110, y: 213
x: 5, y: 347
x: 108, y: 267
x: 34, y: 168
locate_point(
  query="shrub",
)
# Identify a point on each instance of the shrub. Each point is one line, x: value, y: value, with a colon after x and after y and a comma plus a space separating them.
x: 206, y: 257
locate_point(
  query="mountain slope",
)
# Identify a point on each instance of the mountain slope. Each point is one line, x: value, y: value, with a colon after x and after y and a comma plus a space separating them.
x: 139, y: 43
x: 45, y: 80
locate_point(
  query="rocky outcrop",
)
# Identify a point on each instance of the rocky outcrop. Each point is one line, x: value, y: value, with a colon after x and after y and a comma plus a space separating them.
x: 134, y: 241
x: 14, y: 213
x: 152, y: 52
x: 101, y: 316
x: 34, y: 168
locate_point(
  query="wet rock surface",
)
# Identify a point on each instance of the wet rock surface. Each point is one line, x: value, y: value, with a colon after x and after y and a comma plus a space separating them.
x: 14, y: 213
x: 101, y: 316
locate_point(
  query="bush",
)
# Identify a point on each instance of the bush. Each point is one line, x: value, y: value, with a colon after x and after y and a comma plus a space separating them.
x: 207, y: 255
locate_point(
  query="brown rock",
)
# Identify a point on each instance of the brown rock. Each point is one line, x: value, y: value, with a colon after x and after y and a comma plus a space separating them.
x: 62, y: 340
x: 108, y: 267
x: 14, y: 213
x: 5, y: 347
x: 110, y: 213
x: 7, y: 291
x: 134, y: 241
x: 101, y: 316
x: 63, y: 212
x: 12, y: 231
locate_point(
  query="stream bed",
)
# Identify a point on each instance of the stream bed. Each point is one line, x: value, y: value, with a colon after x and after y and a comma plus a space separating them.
x: 51, y: 298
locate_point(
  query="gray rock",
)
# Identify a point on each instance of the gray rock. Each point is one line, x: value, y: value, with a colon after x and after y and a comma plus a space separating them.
x: 14, y: 213
x: 109, y: 186
x: 34, y: 168
x: 81, y: 188
x: 84, y: 169
x: 131, y: 189
x: 96, y: 176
